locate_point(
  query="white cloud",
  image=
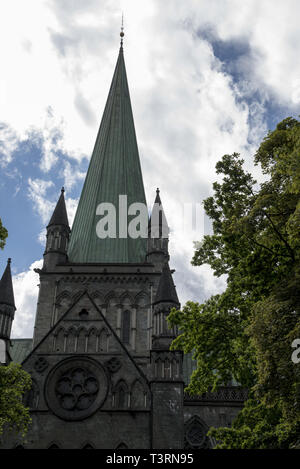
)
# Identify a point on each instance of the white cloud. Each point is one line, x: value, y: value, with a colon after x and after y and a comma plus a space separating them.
x: 188, y: 110
x: 26, y: 293
x: 37, y: 189
x: 71, y: 176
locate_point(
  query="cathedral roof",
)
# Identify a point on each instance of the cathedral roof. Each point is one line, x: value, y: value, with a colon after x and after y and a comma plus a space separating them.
x: 59, y: 216
x: 114, y: 170
x: 6, y: 287
x: 166, y: 291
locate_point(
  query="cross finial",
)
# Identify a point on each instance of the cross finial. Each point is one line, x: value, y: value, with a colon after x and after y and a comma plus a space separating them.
x: 9, y: 260
x: 62, y: 190
x: 122, y: 30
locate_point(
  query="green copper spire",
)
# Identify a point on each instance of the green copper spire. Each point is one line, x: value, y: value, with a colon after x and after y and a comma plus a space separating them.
x: 114, y: 170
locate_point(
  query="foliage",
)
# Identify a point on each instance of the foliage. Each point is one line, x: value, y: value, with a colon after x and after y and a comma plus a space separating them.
x: 3, y: 235
x: 247, y: 331
x: 258, y: 427
x: 14, y: 382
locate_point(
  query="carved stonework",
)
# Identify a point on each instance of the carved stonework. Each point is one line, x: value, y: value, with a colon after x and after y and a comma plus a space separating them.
x: 76, y: 388
x: 113, y: 365
x: 225, y: 393
x: 41, y: 364
x: 195, y: 435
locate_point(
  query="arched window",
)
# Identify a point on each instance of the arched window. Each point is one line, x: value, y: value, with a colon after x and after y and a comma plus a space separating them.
x: 126, y: 327
x: 138, y: 396
x: 122, y: 398
x: 121, y: 395
x: 195, y: 436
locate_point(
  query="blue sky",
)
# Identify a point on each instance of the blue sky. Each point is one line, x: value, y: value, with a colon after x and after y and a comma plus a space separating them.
x: 206, y: 78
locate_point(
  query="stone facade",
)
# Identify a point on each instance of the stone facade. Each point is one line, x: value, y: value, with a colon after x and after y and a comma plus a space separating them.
x: 102, y: 371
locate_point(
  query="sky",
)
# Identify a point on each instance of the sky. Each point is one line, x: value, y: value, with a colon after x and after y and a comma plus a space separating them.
x: 206, y: 78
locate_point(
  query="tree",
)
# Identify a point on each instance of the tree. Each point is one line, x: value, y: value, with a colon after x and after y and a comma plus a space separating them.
x: 3, y: 235
x: 14, y: 382
x: 247, y: 331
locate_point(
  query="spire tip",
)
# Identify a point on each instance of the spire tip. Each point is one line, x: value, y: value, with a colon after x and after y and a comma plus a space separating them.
x: 122, y: 30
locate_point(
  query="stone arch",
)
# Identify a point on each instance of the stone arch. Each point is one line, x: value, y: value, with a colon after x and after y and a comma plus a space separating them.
x: 82, y: 340
x: 98, y: 297
x: 195, y: 434
x: 59, y: 343
x: 138, y: 395
x: 126, y: 296
x: 103, y: 340
x: 126, y: 321
x: 71, y: 339
x: 121, y: 395
x: 142, y: 296
x: 112, y: 295
x: 92, y: 340
x: 159, y: 364
x: 64, y: 295
x: 62, y: 303
x: 19, y: 447
x: 167, y: 368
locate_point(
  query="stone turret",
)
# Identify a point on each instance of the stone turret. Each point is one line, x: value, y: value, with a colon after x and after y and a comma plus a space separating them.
x: 166, y: 369
x: 58, y: 234
x: 7, y: 313
x: 158, y: 235
x: 166, y: 298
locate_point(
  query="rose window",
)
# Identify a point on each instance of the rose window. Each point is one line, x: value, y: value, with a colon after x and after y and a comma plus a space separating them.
x: 77, y: 389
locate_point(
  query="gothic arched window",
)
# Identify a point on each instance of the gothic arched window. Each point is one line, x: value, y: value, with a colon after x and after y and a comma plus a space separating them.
x: 126, y: 327
x: 121, y: 395
x: 196, y: 434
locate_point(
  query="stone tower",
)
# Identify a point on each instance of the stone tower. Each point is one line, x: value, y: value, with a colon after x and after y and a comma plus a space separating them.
x: 100, y: 326
x: 103, y: 374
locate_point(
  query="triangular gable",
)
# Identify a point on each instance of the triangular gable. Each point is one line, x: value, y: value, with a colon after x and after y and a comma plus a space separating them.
x: 76, y: 318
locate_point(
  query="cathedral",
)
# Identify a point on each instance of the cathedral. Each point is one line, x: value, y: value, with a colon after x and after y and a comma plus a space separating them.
x: 103, y: 374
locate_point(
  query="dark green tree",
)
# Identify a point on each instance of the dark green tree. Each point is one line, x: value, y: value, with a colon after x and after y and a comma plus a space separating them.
x: 14, y: 382
x: 247, y: 331
x: 3, y: 235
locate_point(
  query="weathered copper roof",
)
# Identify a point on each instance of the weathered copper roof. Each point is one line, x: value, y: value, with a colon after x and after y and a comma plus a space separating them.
x: 19, y: 349
x: 114, y: 170
x: 6, y: 287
